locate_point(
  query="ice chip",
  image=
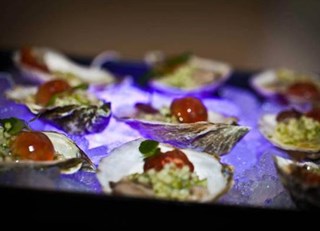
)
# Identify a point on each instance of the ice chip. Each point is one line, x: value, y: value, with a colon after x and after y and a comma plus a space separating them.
x: 80, y: 181
x: 97, y: 153
x: 30, y: 178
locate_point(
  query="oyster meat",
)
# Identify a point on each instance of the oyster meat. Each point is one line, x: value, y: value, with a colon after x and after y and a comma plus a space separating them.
x: 127, y: 160
x: 75, y: 112
x: 68, y: 157
x: 42, y: 64
x: 306, y: 148
x: 302, y: 180
x: 187, y: 74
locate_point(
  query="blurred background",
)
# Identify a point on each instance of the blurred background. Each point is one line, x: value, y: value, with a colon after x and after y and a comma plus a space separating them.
x: 248, y: 34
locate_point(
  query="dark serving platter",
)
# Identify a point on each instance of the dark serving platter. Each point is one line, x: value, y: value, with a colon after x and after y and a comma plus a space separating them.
x: 257, y: 188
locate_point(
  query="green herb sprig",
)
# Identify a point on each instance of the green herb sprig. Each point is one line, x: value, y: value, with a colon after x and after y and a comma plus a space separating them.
x: 13, y: 125
x: 149, y: 148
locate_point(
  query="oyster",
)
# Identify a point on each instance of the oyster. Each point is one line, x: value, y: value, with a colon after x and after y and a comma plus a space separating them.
x: 281, y: 82
x: 218, y: 135
x: 268, y: 125
x: 65, y: 154
x: 208, y: 137
x: 127, y: 160
x: 187, y: 74
x: 45, y: 64
x: 72, y: 117
x: 302, y: 180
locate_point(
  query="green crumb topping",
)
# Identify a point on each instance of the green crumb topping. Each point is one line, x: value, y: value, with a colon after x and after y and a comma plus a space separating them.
x: 171, y: 182
x: 290, y: 76
x: 164, y: 115
x: 78, y: 97
x: 5, y: 139
x: 182, y: 77
x: 303, y: 132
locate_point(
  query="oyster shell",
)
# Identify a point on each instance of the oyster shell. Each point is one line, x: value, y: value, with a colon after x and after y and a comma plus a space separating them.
x: 217, y: 136
x: 302, y: 180
x: 73, y: 118
x: 267, y: 126
x: 59, y: 66
x: 208, y: 137
x: 127, y: 160
x: 271, y: 83
x: 73, y: 158
x: 207, y: 76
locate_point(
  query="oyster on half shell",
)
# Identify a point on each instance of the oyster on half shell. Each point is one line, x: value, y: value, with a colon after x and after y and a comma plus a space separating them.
x: 127, y: 159
x: 58, y: 66
x: 216, y: 136
x: 276, y: 82
x: 73, y: 118
x: 213, y: 138
x: 267, y: 126
x: 70, y: 157
x: 186, y: 74
x: 302, y: 180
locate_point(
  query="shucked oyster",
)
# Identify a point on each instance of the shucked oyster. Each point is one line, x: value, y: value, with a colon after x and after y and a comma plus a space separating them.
x: 193, y: 127
x: 185, y: 174
x: 302, y: 180
x: 72, y: 109
x: 294, y: 86
x: 296, y: 133
x: 43, y: 64
x: 20, y: 146
x: 186, y: 74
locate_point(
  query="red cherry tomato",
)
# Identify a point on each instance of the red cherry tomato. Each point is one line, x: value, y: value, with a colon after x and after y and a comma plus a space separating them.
x: 49, y: 89
x: 159, y: 160
x: 314, y: 114
x: 304, y: 90
x: 32, y: 146
x: 288, y: 114
x: 28, y: 58
x: 189, y: 110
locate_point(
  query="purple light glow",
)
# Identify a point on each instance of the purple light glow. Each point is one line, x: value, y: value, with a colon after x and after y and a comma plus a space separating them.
x: 256, y: 182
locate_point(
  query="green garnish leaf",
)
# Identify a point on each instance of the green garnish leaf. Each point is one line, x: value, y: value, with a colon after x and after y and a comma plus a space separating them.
x: 165, y: 67
x: 149, y: 148
x: 177, y: 59
x: 52, y: 100
x: 13, y: 125
x: 82, y: 86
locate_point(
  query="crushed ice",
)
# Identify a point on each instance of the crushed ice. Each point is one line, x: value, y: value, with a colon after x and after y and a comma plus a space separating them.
x: 256, y: 181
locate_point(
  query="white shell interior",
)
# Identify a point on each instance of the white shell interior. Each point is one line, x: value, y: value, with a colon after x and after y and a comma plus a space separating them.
x: 266, y: 78
x: 127, y: 160
x: 57, y: 62
x: 63, y: 145
x: 25, y: 95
